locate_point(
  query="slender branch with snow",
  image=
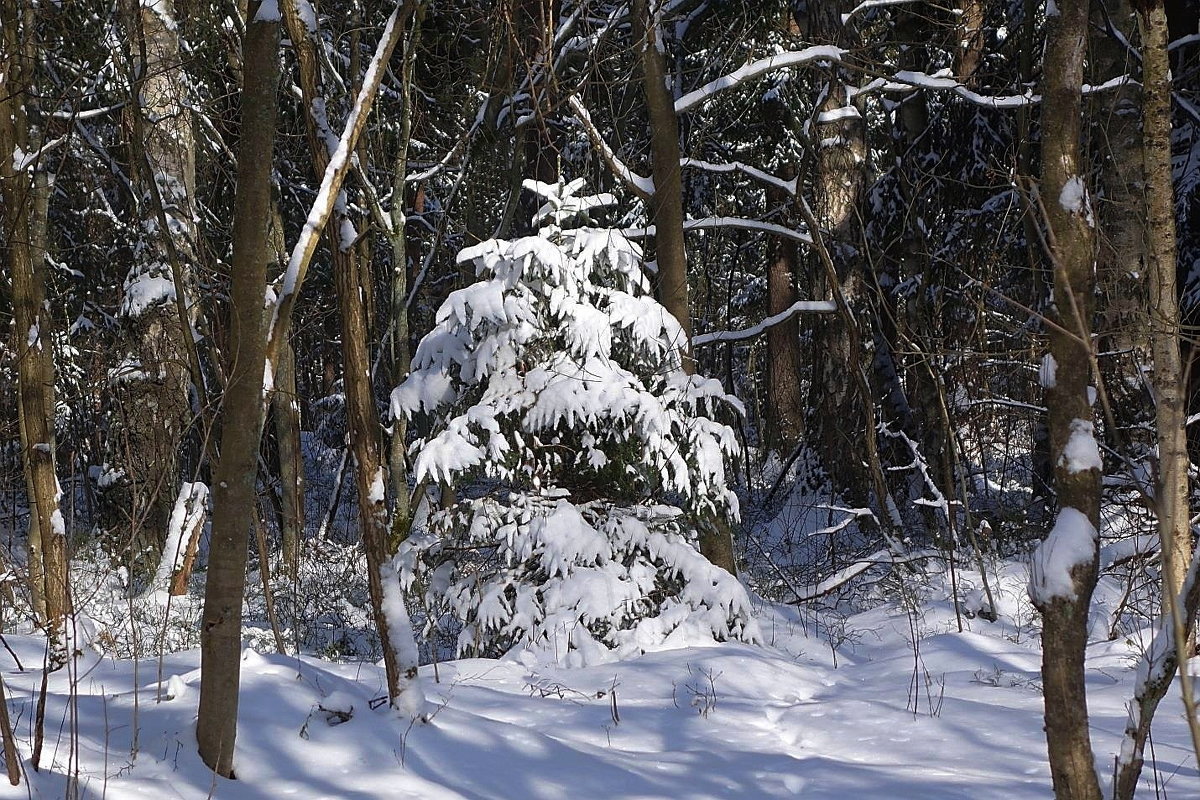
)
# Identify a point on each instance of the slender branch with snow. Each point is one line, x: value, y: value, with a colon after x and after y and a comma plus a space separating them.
x: 640, y: 185
x: 737, y: 166
x: 900, y: 81
x: 331, y: 183
x: 706, y: 223
x: 806, y: 594
x: 755, y: 69
x: 799, y: 307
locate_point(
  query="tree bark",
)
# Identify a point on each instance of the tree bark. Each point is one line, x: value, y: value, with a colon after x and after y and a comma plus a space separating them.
x: 234, y: 498
x: 968, y: 54
x: 1069, y: 222
x: 403, y: 252
x: 785, y: 398
x: 285, y: 420
x: 285, y: 410
x: 25, y: 194
x: 1169, y: 385
x: 837, y: 192
x: 1167, y: 378
x: 157, y: 309
x: 365, y: 433
x: 666, y: 208
x: 666, y: 205
x: 1123, y: 335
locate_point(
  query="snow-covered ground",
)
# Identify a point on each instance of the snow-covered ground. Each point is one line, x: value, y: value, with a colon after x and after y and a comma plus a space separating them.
x: 842, y: 710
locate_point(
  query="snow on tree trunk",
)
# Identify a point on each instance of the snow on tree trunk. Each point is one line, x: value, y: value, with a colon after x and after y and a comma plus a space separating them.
x: 24, y: 199
x: 157, y: 309
x: 581, y: 451
x: 1171, y: 643
x: 182, y: 538
x: 1066, y: 562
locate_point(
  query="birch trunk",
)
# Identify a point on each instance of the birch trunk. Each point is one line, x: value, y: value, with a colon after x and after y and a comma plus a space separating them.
x: 1180, y: 596
x: 157, y: 307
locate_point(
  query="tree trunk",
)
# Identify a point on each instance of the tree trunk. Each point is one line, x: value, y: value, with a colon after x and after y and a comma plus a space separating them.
x: 1155, y: 674
x: 285, y: 410
x: 666, y: 208
x: 666, y: 205
x: 156, y: 309
x: 403, y: 252
x: 285, y: 419
x: 785, y: 400
x: 1123, y: 335
x: 1167, y: 380
x: 968, y: 54
x: 365, y: 433
x: 189, y: 541
x: 537, y: 22
x: 837, y: 190
x: 1062, y: 589
x: 25, y: 194
x: 234, y: 499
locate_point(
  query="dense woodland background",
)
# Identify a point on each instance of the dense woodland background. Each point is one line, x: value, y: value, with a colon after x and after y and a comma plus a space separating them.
x: 918, y: 242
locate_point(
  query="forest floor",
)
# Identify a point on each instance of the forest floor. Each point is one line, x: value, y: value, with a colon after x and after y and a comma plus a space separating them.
x: 893, y: 702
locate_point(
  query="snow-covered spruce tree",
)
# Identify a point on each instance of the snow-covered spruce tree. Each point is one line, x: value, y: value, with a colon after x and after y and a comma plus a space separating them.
x: 580, y: 451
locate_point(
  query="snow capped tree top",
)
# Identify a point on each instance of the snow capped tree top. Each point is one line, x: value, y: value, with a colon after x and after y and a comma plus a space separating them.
x: 558, y: 368
x: 563, y: 203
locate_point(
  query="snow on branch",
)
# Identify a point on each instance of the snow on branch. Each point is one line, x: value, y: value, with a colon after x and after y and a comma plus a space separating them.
x: 331, y: 182
x: 901, y: 81
x: 22, y: 161
x: 754, y: 69
x: 640, y: 185
x: 799, y: 307
x: 907, y: 80
x: 737, y: 166
x: 705, y: 223
x: 1183, y: 41
x: 867, y: 5
x: 805, y: 594
x: 87, y: 113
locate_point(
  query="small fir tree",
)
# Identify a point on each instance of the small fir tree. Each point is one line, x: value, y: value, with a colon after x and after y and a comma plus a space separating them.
x: 580, y: 450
